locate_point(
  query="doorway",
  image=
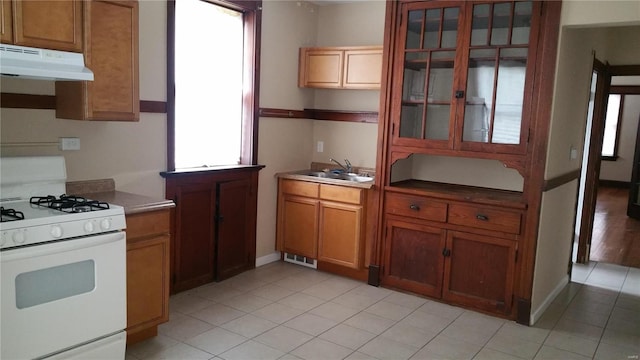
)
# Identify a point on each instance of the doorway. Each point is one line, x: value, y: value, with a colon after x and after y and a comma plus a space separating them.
x: 588, y: 197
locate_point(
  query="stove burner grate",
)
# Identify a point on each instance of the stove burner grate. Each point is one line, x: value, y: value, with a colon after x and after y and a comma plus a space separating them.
x: 69, y: 203
x: 10, y: 215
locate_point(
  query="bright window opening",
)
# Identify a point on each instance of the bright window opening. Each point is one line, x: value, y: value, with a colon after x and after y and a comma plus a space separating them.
x: 609, y: 144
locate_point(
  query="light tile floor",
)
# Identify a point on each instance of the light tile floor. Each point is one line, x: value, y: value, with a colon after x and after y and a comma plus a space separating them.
x: 285, y: 311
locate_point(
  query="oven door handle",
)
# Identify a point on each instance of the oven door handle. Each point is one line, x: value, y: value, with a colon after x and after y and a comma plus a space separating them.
x: 61, y: 246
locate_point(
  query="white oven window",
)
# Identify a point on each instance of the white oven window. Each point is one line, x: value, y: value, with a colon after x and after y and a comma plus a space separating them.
x: 54, y: 283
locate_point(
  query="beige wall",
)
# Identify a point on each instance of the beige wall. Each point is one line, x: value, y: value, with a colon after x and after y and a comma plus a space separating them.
x: 587, y: 29
x: 131, y: 153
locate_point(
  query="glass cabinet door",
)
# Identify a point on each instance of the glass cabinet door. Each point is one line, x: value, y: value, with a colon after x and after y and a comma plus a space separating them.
x: 496, y: 73
x: 428, y: 50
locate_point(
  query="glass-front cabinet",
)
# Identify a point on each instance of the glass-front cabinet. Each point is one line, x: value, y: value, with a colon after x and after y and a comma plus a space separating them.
x: 466, y: 82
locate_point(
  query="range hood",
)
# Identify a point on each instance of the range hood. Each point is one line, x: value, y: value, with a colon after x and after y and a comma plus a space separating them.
x: 43, y: 64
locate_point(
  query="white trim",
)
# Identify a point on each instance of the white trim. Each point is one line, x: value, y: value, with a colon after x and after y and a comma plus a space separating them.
x: 537, y: 314
x: 264, y: 260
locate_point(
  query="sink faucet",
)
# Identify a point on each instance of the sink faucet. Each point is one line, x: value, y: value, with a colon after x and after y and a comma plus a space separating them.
x: 348, y: 168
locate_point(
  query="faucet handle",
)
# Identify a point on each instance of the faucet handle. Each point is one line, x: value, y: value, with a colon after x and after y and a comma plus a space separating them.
x: 348, y: 163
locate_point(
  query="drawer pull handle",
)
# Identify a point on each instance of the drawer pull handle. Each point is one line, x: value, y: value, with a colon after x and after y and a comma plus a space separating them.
x: 482, y: 217
x: 414, y: 207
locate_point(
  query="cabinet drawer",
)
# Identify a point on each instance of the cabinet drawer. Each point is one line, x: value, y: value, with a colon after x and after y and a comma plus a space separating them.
x: 341, y: 194
x: 301, y: 188
x: 485, y: 218
x: 416, y: 207
x: 147, y: 223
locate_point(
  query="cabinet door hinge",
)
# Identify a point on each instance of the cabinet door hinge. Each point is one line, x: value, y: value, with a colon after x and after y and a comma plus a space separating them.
x: 529, y: 135
x: 393, y: 128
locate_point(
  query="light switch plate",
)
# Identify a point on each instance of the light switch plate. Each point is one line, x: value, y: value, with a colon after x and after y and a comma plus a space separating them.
x: 69, y: 143
x: 320, y: 146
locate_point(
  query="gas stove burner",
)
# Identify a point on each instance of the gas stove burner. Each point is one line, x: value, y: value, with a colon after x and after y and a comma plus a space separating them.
x: 10, y: 215
x: 69, y: 203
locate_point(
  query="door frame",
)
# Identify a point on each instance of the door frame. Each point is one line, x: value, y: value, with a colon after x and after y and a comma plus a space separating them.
x: 593, y: 162
x: 595, y: 154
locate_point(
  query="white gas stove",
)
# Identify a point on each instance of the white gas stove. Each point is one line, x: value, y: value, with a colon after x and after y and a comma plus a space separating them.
x: 63, y: 266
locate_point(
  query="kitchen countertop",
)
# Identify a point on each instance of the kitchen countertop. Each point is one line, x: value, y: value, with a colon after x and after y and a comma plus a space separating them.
x: 300, y: 175
x: 104, y: 190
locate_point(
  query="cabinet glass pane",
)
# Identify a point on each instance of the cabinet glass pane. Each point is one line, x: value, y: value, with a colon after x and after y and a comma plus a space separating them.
x: 411, y: 121
x: 450, y: 28
x: 479, y: 95
x: 501, y: 19
x: 437, y: 127
x: 480, y: 24
x: 414, y: 29
x: 414, y: 81
x: 432, y: 29
x: 521, y: 23
x: 507, y: 119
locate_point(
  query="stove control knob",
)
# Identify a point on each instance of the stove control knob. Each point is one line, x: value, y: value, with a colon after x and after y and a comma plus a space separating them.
x: 105, y: 224
x: 56, y: 231
x: 88, y: 227
x: 19, y: 237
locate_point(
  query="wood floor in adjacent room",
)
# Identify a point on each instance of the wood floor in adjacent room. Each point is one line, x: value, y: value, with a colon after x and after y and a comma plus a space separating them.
x: 616, y: 237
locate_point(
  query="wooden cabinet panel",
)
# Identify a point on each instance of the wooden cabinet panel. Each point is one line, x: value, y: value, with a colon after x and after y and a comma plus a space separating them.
x: 479, y: 271
x: 413, y: 257
x: 299, y: 225
x: 362, y: 69
x: 6, y: 22
x: 485, y: 218
x: 234, y: 225
x: 357, y: 67
x: 148, y: 257
x: 214, y: 224
x: 416, y: 207
x: 48, y: 24
x: 111, y: 52
x: 195, y: 229
x: 341, y: 193
x: 301, y: 188
x: 340, y: 234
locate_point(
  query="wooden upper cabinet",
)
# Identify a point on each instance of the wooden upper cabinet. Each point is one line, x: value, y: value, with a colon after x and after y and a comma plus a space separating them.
x: 6, y: 22
x: 340, y: 67
x: 53, y: 25
x: 463, y: 75
x: 111, y: 52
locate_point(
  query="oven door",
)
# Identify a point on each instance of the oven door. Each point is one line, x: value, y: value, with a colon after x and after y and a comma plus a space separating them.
x: 59, y: 295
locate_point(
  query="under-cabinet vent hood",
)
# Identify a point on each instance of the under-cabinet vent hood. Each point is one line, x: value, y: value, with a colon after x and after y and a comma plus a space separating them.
x: 43, y: 64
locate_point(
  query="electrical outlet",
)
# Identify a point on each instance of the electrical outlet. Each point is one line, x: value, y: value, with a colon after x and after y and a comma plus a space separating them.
x: 69, y: 143
x: 320, y: 146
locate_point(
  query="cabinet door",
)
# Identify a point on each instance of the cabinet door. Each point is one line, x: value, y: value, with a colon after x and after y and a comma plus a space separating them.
x: 362, y: 69
x: 299, y: 225
x: 479, y: 271
x: 234, y: 242
x: 320, y: 68
x: 413, y: 257
x: 112, y: 55
x: 147, y: 282
x: 6, y: 22
x: 49, y: 24
x: 194, y: 235
x: 495, y: 106
x: 340, y: 234
x: 426, y: 67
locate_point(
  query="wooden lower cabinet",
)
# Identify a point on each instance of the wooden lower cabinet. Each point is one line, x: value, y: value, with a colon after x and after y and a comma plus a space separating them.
x: 148, y: 255
x: 340, y: 234
x: 299, y: 225
x: 323, y: 222
x: 414, y: 257
x: 214, y: 224
x: 479, y: 271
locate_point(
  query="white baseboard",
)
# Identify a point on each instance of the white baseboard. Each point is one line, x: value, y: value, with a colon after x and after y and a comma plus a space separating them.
x: 264, y: 260
x: 537, y: 314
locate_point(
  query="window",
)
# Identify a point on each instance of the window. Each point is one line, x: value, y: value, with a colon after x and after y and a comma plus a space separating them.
x: 212, y: 81
x: 612, y: 127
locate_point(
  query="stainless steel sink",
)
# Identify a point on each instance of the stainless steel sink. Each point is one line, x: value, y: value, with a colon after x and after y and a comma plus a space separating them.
x: 341, y: 176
